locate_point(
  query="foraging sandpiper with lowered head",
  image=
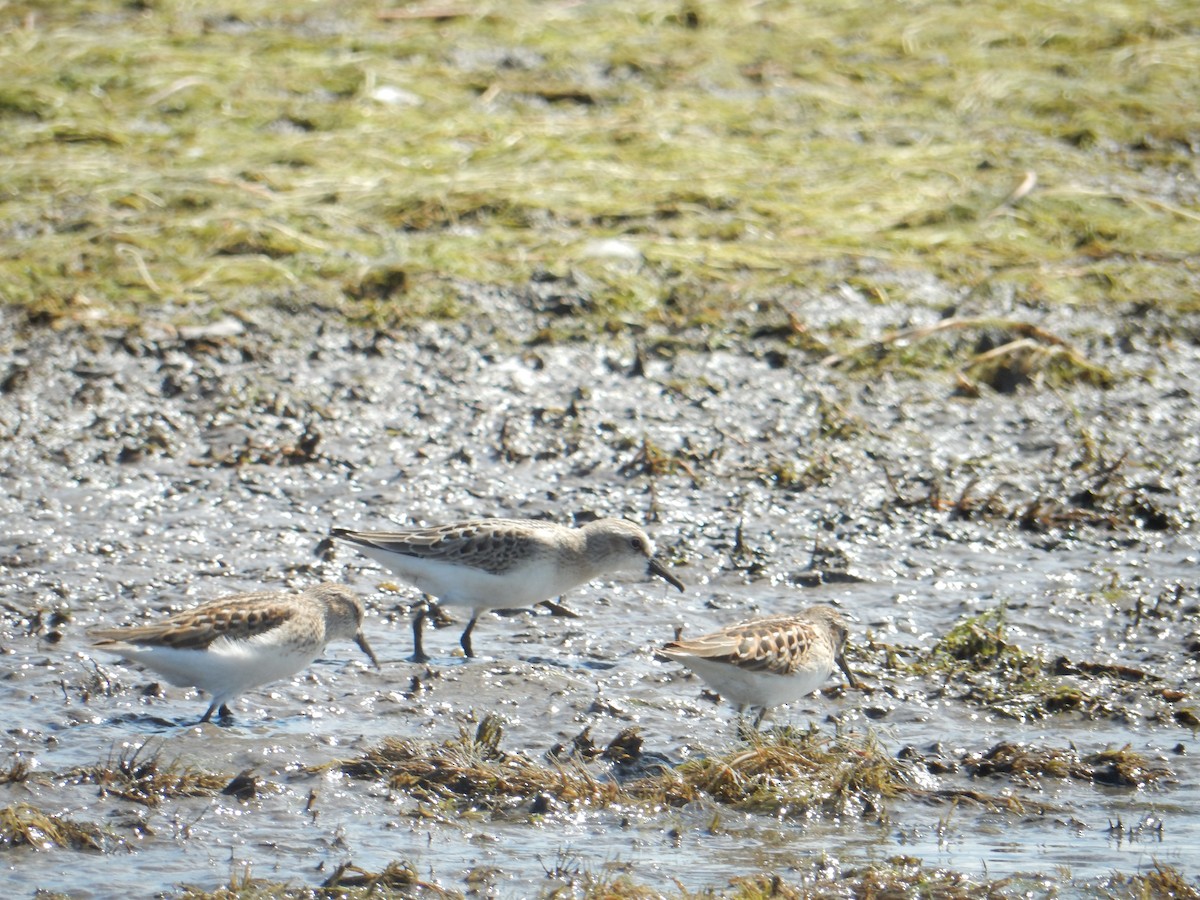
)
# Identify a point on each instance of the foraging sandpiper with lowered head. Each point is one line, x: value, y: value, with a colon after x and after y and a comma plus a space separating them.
x: 227, y: 646
x: 767, y: 662
x: 506, y: 563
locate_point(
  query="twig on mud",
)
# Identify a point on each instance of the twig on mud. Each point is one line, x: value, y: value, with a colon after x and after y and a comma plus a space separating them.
x: 962, y: 506
x: 143, y: 269
x: 437, y: 13
x: 895, y: 488
x: 1025, y: 329
x: 1023, y: 189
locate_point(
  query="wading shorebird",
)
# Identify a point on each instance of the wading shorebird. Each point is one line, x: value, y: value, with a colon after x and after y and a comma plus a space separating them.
x: 230, y: 645
x: 767, y: 662
x: 505, y: 563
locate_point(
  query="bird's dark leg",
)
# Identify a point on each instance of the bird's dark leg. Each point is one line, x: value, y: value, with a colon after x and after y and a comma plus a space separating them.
x: 221, y: 710
x: 418, y: 620
x: 744, y: 731
x: 465, y: 640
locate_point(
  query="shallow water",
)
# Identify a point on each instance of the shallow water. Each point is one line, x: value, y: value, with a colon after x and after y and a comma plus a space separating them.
x: 142, y: 476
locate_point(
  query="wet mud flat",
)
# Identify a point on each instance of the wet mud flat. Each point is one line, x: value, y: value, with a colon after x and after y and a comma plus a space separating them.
x: 1017, y: 545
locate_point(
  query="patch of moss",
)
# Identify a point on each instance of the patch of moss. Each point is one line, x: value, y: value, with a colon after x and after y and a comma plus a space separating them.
x: 977, y: 660
x: 979, y: 642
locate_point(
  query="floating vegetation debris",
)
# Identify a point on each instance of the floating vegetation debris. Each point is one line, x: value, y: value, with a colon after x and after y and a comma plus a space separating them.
x: 783, y: 772
x: 898, y: 877
x: 796, y: 773
x: 396, y: 877
x: 978, y: 642
x: 1162, y: 882
x: 244, y: 786
x: 787, y: 475
x: 348, y: 882
x: 655, y: 461
x: 25, y: 825
x: 146, y: 779
x: 977, y: 658
x: 585, y: 884
x: 1119, y: 767
x: 473, y: 771
x: 905, y: 876
x: 301, y: 451
x: 18, y: 770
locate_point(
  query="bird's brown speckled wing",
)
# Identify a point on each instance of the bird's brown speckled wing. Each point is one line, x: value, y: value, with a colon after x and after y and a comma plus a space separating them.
x: 238, y: 617
x: 491, y: 545
x: 771, y: 645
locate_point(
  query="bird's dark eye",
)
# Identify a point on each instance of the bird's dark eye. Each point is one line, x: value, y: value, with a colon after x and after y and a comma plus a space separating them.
x: 636, y: 544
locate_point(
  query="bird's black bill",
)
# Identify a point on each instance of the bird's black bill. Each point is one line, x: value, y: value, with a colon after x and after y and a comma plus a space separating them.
x: 366, y: 648
x: 841, y: 661
x: 657, y: 568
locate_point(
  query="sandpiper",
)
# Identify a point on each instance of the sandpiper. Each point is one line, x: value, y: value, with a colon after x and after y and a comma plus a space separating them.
x: 505, y: 563
x: 230, y: 645
x: 766, y: 662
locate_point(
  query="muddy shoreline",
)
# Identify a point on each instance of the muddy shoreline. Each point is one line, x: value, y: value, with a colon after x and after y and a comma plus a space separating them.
x: 1021, y: 566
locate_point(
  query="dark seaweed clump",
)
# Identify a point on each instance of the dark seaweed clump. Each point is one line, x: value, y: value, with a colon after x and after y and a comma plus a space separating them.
x: 786, y: 772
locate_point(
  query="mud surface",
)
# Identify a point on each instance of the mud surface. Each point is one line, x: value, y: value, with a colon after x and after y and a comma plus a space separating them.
x: 148, y: 470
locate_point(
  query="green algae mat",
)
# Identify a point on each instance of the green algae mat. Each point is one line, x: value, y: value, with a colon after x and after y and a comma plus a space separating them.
x: 679, y: 163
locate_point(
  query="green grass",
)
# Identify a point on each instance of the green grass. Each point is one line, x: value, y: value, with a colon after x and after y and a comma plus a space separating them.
x: 218, y: 156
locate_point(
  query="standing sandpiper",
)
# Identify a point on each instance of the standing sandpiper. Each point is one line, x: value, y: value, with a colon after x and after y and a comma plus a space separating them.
x: 506, y: 563
x: 767, y: 662
x: 239, y: 642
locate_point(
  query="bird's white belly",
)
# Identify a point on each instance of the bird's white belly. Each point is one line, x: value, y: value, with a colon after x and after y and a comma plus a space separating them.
x: 456, y: 585
x: 226, y: 668
x: 744, y: 687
